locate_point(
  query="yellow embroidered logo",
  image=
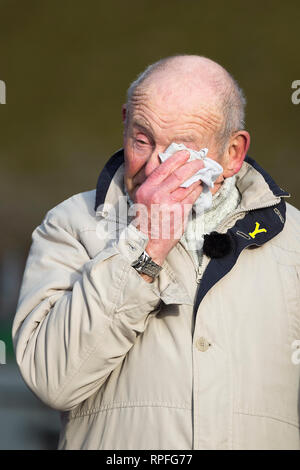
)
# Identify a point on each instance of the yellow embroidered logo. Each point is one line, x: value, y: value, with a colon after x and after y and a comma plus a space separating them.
x: 256, y: 230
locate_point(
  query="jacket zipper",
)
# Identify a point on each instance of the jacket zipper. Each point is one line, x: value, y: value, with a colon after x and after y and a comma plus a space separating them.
x: 201, y: 268
x: 199, y: 273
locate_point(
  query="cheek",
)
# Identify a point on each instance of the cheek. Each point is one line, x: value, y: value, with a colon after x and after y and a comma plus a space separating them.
x: 132, y: 166
x: 217, y: 158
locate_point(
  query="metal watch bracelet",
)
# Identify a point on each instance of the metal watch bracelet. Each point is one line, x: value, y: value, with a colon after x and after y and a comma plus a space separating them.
x: 144, y: 264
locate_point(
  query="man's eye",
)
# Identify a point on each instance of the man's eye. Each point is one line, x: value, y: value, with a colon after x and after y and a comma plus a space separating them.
x: 142, y: 142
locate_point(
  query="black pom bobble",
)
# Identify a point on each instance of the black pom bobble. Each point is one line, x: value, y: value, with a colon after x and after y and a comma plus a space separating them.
x: 216, y: 245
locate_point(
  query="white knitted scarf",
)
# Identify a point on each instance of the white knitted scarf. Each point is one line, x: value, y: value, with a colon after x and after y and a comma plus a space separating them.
x: 224, y: 201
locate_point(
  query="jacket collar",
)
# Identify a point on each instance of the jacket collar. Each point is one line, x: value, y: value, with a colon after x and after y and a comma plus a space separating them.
x: 277, y: 191
x: 257, y: 187
x: 107, y: 177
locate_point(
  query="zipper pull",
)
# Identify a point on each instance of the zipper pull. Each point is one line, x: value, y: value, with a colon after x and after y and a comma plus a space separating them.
x: 199, y: 274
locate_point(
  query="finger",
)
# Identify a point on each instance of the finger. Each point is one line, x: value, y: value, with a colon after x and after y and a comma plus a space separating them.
x: 167, y: 167
x: 181, y: 174
x: 181, y: 193
x: 193, y: 196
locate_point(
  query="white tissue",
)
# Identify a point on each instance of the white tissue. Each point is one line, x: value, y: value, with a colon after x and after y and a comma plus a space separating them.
x: 208, y: 174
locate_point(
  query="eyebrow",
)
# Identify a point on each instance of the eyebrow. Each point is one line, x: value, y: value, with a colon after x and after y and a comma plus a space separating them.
x: 143, y: 127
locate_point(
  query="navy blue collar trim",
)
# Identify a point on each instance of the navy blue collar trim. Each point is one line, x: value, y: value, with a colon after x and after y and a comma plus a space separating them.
x: 272, y: 219
x: 277, y: 191
x: 107, y: 175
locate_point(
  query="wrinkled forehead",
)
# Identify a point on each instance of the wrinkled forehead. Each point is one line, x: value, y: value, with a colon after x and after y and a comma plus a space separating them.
x: 177, y: 96
x: 175, y: 109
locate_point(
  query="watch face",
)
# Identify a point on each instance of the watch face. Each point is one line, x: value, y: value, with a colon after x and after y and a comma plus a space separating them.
x: 139, y: 262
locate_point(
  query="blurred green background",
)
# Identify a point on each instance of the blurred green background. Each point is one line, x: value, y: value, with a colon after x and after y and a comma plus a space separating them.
x: 67, y: 65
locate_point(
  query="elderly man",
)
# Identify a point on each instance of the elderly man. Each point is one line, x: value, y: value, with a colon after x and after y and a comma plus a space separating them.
x: 144, y: 341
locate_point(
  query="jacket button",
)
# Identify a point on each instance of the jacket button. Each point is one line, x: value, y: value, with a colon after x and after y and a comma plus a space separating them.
x: 202, y: 344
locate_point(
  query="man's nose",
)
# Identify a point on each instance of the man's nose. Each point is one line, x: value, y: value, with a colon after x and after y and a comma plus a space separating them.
x: 153, y: 161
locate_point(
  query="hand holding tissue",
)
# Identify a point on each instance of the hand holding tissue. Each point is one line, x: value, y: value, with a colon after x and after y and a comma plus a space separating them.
x: 208, y: 174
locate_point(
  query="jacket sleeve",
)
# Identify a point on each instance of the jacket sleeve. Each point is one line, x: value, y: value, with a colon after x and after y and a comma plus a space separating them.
x: 78, y: 317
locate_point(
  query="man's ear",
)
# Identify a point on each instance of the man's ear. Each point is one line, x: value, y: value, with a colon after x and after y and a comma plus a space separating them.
x: 235, y: 153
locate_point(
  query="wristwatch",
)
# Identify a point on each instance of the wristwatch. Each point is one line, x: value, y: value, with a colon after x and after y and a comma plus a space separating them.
x: 145, y: 265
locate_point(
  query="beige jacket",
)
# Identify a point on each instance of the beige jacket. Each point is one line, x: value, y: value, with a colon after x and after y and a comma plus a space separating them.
x: 200, y: 359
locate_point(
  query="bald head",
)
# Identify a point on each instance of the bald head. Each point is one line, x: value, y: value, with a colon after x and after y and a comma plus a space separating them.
x: 198, y: 81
